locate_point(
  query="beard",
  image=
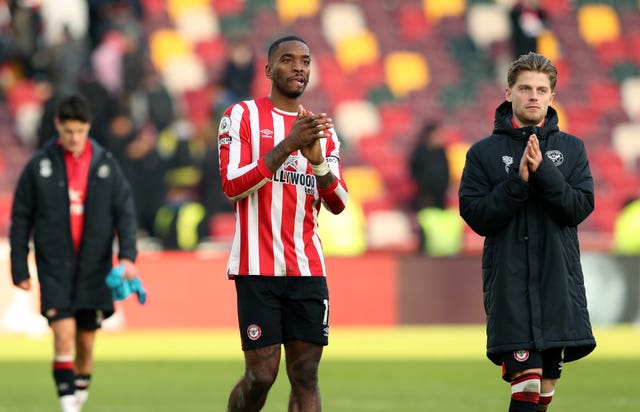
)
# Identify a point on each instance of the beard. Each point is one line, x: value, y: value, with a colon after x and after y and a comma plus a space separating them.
x: 289, y: 92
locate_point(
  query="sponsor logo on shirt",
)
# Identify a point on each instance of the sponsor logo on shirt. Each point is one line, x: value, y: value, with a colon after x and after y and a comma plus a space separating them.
x: 289, y: 174
x: 266, y: 134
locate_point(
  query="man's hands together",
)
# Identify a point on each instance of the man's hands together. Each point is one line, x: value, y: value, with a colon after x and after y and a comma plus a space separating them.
x: 531, y: 158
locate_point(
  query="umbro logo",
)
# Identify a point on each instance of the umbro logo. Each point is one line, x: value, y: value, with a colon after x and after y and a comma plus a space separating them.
x: 266, y: 133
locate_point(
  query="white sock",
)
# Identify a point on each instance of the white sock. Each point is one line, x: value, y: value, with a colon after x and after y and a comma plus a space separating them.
x: 81, y: 397
x: 69, y: 403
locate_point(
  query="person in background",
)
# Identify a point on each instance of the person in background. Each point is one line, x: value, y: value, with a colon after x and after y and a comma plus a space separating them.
x: 526, y: 188
x: 71, y: 175
x: 279, y: 163
x: 430, y: 168
x: 528, y: 22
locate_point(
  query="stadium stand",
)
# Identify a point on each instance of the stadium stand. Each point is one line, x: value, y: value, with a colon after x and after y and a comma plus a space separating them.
x: 380, y: 69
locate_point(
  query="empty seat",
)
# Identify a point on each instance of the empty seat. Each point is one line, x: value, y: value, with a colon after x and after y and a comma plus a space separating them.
x: 630, y: 97
x: 365, y: 183
x: 598, y: 23
x: 198, y: 24
x: 435, y: 10
x: 175, y: 8
x: 340, y: 20
x: 357, y: 50
x: 625, y: 141
x: 412, y: 23
x: 165, y: 46
x: 290, y: 10
x: 406, y: 71
x: 185, y: 73
x: 548, y: 46
x: 355, y: 120
x: 488, y: 23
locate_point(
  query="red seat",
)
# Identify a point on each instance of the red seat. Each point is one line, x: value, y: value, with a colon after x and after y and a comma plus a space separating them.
x: 228, y: 7
x: 413, y: 23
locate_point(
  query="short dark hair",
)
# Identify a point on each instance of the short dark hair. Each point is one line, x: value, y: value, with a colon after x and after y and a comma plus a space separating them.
x: 532, y: 62
x: 274, y: 46
x: 73, y: 107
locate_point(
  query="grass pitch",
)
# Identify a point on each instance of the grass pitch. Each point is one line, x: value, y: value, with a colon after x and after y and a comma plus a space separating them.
x: 388, y: 369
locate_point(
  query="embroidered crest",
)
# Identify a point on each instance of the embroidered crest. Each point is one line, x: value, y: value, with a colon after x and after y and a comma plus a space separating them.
x: 45, y: 168
x: 508, y: 161
x: 521, y: 355
x: 254, y: 332
x: 104, y: 171
x: 555, y: 156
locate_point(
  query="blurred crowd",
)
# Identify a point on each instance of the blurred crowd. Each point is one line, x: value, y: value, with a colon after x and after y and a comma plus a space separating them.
x: 98, y: 48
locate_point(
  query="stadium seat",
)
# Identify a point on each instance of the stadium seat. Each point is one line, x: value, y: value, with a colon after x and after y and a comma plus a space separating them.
x: 630, y: 95
x: 175, y: 8
x: 547, y: 45
x: 406, y: 71
x: 412, y: 23
x: 27, y: 119
x: 166, y: 46
x: 365, y: 183
x: 612, y: 52
x: 198, y: 24
x: 356, y: 119
x: 435, y: 10
x: 229, y: 7
x: 398, y: 121
x: 290, y: 10
x: 357, y: 50
x: 185, y: 73
x: 625, y: 141
x: 598, y: 23
x: 488, y: 23
x: 341, y: 20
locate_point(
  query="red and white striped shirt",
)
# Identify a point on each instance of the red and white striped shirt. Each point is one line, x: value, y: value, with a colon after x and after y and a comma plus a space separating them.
x: 276, y: 214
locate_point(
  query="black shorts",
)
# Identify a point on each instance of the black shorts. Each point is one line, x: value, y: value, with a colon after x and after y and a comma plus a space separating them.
x: 86, y: 319
x: 550, y: 361
x: 275, y: 309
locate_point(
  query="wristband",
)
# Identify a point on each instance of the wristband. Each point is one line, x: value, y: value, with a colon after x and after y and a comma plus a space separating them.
x: 321, y: 169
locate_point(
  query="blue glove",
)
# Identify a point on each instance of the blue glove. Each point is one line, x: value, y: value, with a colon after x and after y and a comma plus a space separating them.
x: 122, y: 287
x: 135, y: 285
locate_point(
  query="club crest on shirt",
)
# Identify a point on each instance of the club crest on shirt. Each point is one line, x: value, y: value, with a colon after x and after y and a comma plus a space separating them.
x: 508, y: 161
x: 555, y: 156
x: 104, y: 171
x: 254, y: 332
x: 45, y: 167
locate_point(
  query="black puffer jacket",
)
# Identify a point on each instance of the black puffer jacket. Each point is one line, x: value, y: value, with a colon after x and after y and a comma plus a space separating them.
x: 41, y: 209
x: 534, y: 293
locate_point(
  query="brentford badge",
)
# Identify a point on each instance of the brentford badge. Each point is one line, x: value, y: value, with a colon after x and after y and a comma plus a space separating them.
x: 521, y: 355
x: 254, y: 332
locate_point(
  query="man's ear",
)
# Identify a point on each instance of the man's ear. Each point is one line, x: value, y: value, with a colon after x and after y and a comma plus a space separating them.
x: 267, y: 70
x: 507, y: 94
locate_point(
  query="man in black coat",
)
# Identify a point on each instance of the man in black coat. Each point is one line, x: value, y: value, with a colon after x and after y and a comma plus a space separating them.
x: 526, y: 188
x: 73, y: 199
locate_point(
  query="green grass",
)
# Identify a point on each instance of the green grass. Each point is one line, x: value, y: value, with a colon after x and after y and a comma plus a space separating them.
x: 392, y: 369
